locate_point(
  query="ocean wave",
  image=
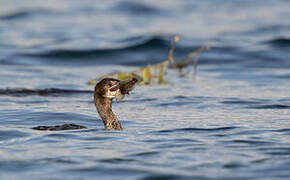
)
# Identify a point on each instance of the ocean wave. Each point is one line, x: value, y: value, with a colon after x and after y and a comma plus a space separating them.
x: 279, y: 42
x: 134, y: 8
x: 141, y: 43
x: 24, y: 13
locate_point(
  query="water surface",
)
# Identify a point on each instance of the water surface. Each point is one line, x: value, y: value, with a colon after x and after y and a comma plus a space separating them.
x: 231, y: 122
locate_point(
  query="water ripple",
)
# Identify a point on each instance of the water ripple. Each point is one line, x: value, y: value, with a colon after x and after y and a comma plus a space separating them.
x: 197, y: 129
x: 271, y: 106
x: 278, y: 151
x: 12, y: 134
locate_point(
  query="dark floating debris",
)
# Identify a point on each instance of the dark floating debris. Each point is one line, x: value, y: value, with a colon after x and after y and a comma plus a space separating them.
x: 40, y: 92
x: 59, y: 127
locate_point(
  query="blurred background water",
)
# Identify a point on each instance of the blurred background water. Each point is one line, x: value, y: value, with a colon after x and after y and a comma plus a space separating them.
x: 232, y: 122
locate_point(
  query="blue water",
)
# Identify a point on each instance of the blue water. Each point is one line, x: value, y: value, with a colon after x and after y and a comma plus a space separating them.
x: 231, y: 122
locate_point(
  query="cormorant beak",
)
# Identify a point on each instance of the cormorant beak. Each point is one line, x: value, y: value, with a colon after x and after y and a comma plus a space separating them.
x: 113, y: 91
x: 114, y: 88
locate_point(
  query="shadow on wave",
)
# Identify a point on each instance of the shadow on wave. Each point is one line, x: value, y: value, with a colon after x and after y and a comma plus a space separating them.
x: 279, y: 42
x: 197, y: 129
x: 26, y: 13
x: 133, y: 8
x: 42, y: 92
x: 271, y: 106
x: 258, y: 103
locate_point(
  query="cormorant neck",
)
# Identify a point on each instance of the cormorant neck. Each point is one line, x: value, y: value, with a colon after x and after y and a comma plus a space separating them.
x: 104, y: 108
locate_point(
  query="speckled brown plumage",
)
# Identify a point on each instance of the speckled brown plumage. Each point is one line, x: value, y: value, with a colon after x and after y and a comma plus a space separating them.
x: 105, y: 91
x: 104, y: 104
x: 104, y: 108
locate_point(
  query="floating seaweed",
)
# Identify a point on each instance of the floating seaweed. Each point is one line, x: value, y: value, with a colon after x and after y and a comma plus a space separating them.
x: 154, y: 74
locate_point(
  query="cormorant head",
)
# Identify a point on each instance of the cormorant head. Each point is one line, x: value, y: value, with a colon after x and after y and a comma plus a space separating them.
x: 108, y: 88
